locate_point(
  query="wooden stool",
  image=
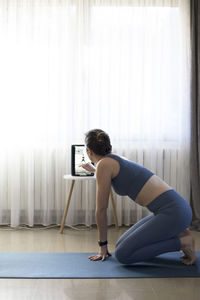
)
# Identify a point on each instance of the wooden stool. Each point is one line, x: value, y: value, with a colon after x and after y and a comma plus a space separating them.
x: 73, y: 179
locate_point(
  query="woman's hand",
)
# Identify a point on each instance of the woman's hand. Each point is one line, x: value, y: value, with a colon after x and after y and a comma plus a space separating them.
x: 103, y: 254
x: 88, y: 167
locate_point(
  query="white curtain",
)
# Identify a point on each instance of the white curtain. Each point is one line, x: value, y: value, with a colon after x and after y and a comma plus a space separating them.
x: 68, y: 66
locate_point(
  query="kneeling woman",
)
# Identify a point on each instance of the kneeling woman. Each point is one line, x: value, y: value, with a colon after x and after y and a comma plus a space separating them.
x: 165, y: 230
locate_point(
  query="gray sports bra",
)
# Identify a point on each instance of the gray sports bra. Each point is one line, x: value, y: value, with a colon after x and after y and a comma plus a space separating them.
x: 131, y: 177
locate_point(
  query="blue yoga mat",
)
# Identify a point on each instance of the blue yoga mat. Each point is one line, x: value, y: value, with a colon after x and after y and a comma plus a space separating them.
x: 77, y: 265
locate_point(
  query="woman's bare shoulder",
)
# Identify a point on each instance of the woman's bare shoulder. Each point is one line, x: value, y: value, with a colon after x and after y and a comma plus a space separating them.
x: 106, y: 162
x: 108, y: 166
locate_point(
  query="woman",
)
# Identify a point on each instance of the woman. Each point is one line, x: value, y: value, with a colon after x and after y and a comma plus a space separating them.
x: 165, y: 230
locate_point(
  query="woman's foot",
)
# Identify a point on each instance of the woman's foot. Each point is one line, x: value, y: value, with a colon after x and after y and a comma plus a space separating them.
x: 188, y: 247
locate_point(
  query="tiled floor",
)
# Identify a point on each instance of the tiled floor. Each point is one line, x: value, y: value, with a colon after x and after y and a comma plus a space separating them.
x: 50, y: 240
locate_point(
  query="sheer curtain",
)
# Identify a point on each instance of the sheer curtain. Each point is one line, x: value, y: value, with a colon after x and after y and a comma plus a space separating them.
x: 68, y: 66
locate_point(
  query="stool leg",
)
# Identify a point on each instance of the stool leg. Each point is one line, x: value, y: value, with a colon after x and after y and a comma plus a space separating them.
x: 114, y: 210
x: 67, y: 206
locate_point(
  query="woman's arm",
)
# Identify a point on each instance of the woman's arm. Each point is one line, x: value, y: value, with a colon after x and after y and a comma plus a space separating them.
x: 88, y: 167
x: 103, y: 177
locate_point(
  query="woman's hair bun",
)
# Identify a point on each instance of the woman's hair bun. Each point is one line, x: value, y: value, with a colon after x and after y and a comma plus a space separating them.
x: 98, y: 141
x: 101, y: 137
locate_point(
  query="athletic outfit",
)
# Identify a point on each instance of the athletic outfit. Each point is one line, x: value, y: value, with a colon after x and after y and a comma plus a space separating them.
x: 156, y: 233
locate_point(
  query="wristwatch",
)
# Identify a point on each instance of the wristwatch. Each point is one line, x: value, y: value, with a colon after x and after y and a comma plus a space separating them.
x: 102, y: 243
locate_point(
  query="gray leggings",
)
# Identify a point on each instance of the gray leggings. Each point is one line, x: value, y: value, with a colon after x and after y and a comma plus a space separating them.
x: 156, y: 233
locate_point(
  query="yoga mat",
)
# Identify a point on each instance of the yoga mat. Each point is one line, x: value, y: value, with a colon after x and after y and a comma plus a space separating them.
x: 77, y: 265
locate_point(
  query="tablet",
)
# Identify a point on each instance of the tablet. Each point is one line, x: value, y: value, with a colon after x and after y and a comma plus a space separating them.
x: 79, y: 156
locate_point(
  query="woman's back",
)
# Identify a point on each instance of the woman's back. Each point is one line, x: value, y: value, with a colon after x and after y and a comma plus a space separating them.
x: 131, y: 177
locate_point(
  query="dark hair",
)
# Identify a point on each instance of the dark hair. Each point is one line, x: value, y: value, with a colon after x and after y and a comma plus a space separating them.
x: 98, y: 141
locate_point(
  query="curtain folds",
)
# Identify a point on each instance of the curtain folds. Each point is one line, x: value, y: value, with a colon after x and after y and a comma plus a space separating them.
x: 68, y: 66
x: 195, y: 113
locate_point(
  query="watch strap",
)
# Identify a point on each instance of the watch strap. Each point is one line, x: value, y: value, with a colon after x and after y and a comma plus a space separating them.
x: 102, y: 243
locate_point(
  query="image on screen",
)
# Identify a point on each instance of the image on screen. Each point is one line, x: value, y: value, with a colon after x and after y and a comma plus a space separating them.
x: 79, y: 157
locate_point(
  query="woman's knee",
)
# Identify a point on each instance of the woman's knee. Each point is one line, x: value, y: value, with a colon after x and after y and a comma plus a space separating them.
x: 121, y: 255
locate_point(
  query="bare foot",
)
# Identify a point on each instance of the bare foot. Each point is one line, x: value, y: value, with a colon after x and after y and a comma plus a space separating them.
x: 188, y: 247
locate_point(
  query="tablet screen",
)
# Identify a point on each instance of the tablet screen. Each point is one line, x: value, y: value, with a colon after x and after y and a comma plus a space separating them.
x: 79, y: 156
